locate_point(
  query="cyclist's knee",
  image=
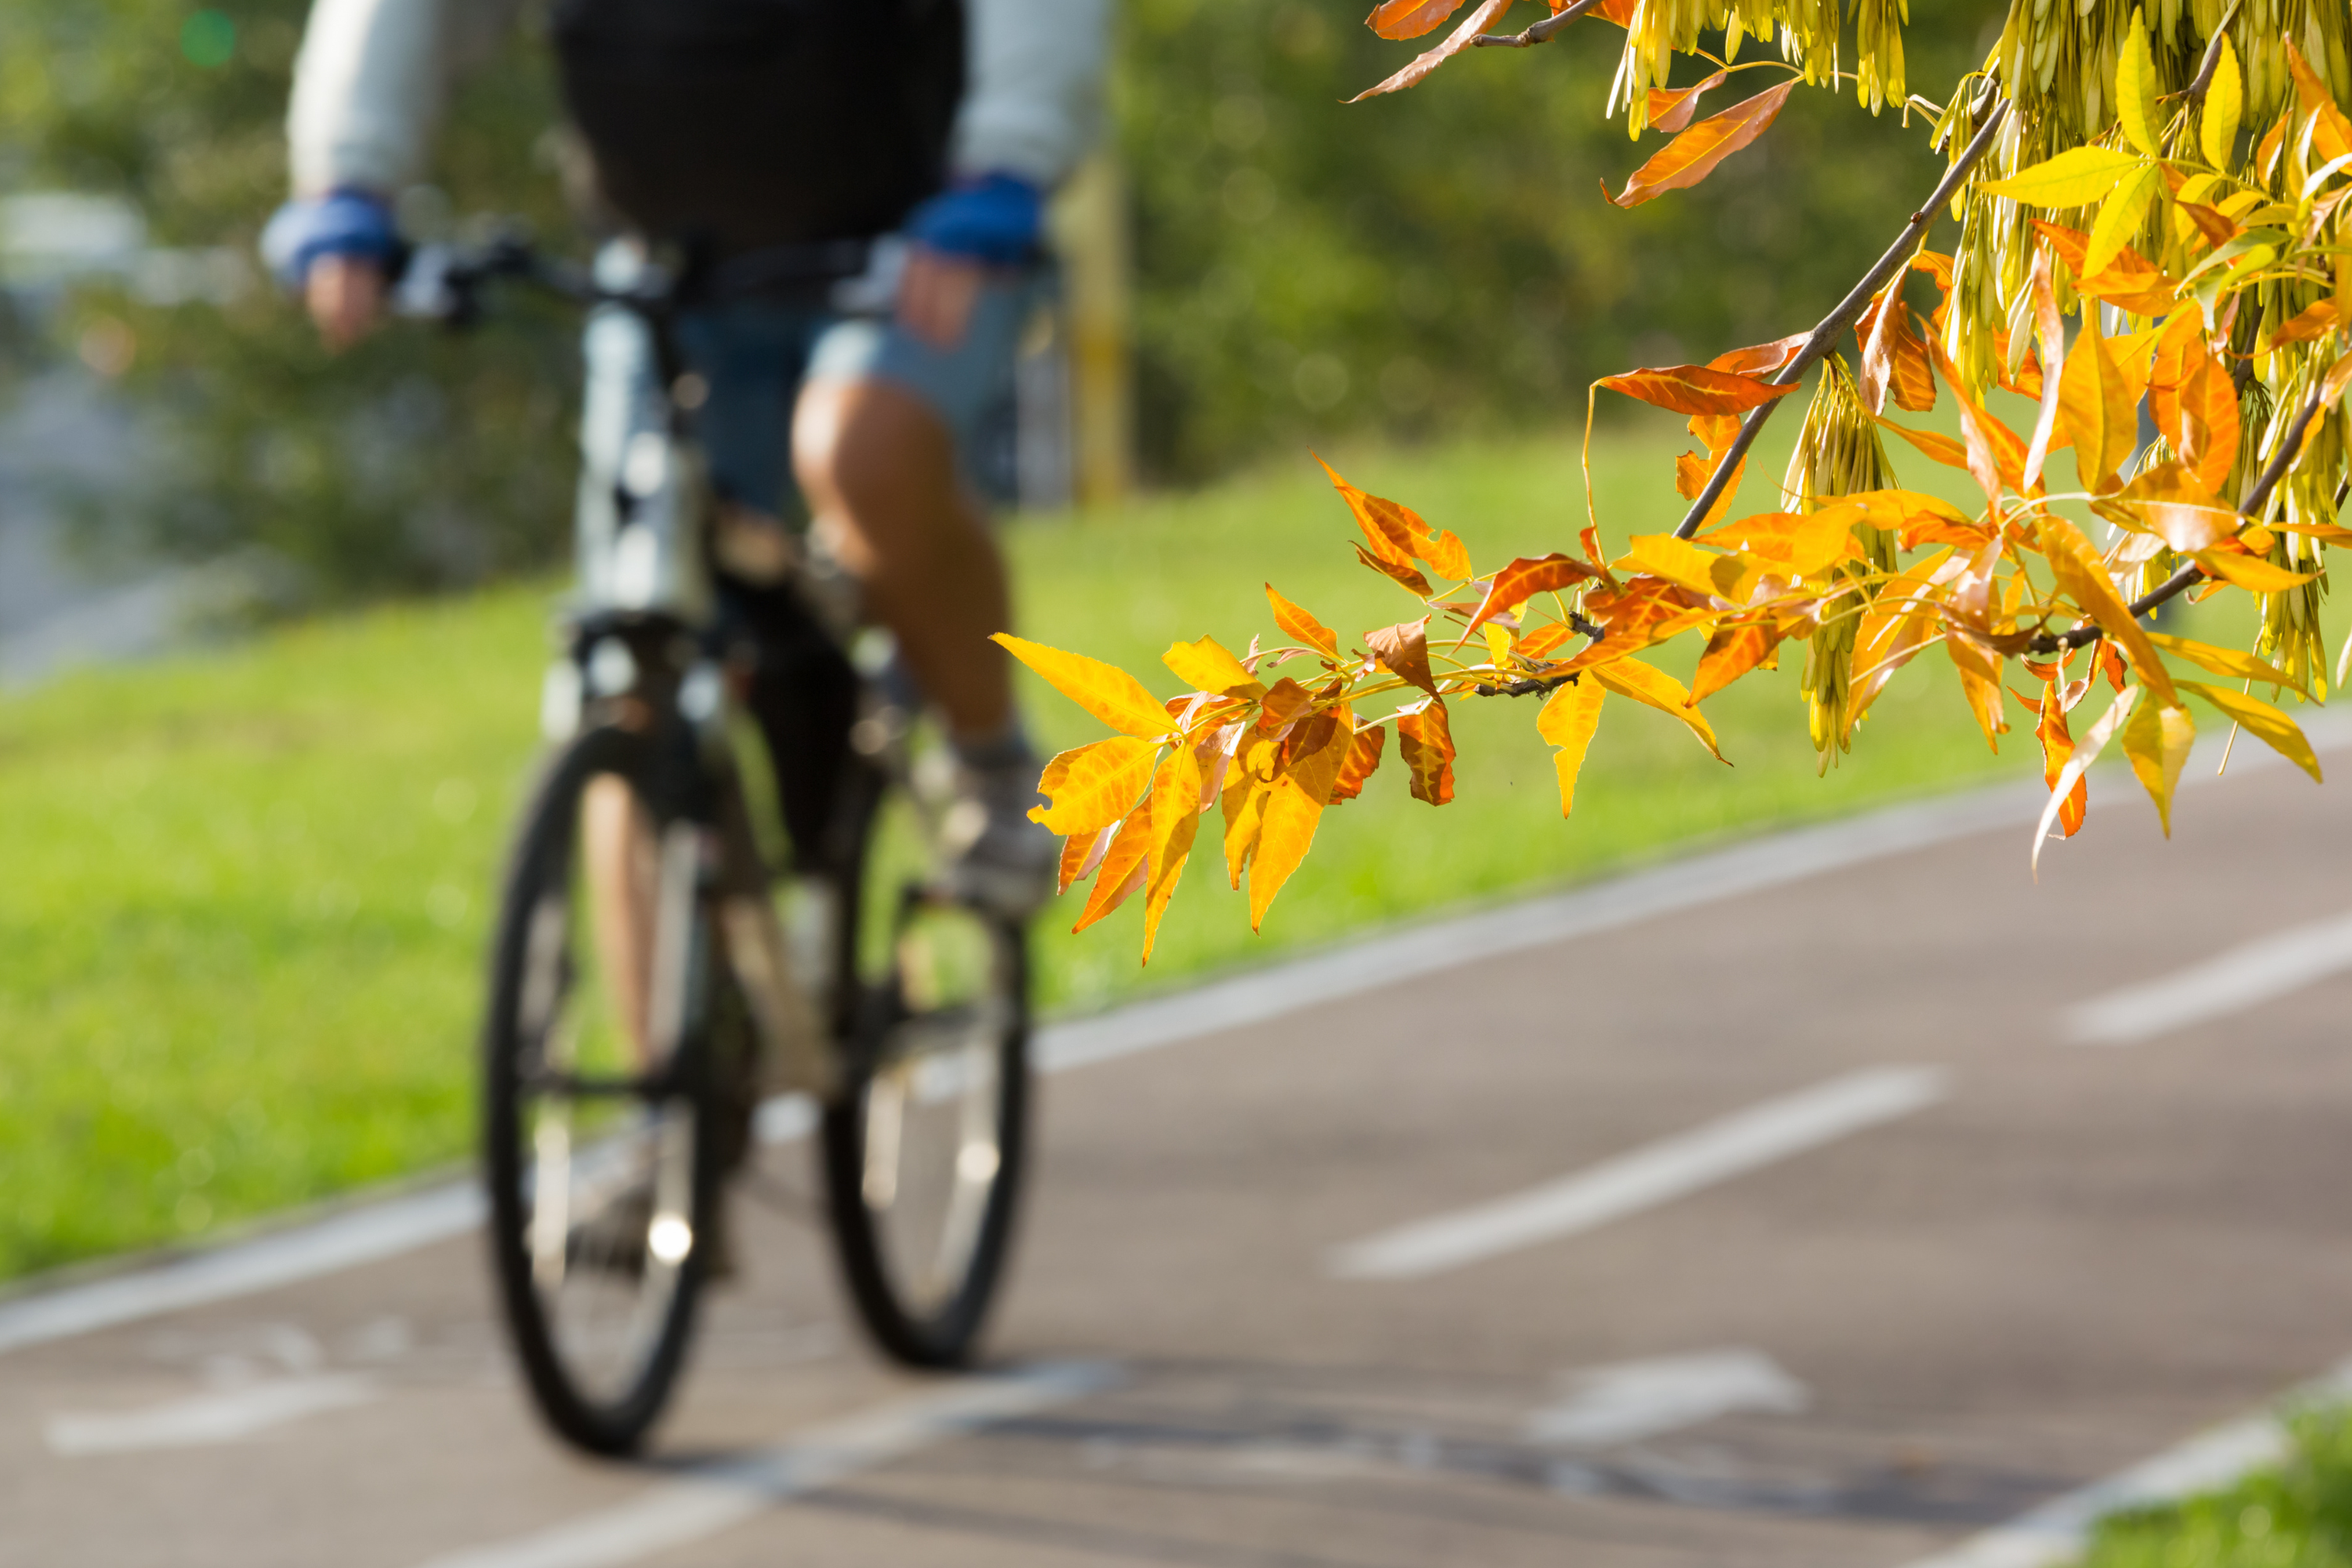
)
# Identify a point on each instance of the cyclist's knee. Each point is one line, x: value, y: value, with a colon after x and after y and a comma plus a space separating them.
x: 861, y: 445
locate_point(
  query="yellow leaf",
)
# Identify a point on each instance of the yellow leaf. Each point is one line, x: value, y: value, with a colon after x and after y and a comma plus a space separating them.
x: 1648, y: 684
x: 2251, y: 571
x: 2136, y: 88
x: 1801, y: 544
x: 2075, y: 178
x: 1675, y: 560
x: 2265, y: 721
x: 1298, y: 623
x: 1105, y: 691
x: 1569, y: 717
x: 2086, y: 751
x: 1092, y: 786
x: 1206, y: 666
x: 2224, y: 661
x: 1124, y: 866
x: 1175, y: 813
x: 2083, y: 576
x: 1293, y: 807
x: 2225, y: 102
x: 1247, y: 785
x: 2120, y: 218
x: 2157, y: 740
x: 2098, y: 409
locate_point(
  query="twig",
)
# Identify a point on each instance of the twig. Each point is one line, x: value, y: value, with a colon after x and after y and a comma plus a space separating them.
x: 2213, y: 60
x: 2250, y: 505
x: 1837, y: 321
x: 1537, y: 34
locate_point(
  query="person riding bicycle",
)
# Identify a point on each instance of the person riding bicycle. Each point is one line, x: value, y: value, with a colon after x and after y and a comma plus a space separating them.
x: 731, y: 128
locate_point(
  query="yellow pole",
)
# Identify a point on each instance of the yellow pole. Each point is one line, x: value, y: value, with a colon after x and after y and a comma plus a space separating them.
x: 1090, y: 231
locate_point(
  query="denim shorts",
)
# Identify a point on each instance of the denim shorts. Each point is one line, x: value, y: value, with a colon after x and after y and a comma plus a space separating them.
x: 755, y: 355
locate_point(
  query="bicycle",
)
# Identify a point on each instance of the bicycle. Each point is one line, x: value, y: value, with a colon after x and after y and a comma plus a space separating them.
x: 667, y: 957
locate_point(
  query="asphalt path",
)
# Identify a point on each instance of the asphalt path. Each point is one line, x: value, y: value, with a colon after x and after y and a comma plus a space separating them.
x: 1834, y: 1200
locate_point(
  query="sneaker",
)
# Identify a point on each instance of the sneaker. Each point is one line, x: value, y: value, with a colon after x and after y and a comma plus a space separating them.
x: 998, y: 857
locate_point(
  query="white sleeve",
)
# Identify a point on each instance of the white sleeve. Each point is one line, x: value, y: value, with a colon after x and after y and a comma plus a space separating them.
x: 370, y: 82
x: 1034, y: 103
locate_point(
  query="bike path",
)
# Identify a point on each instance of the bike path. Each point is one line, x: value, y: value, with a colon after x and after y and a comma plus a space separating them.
x: 1829, y: 1247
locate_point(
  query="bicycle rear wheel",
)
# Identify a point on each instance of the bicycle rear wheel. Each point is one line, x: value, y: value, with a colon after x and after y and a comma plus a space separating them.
x: 924, y: 1146
x: 601, y: 1138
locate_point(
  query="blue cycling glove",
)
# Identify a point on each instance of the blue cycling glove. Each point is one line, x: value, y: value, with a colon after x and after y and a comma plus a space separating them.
x: 995, y: 219
x: 340, y: 223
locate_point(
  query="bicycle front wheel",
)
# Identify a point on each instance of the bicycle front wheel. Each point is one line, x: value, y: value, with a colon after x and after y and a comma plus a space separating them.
x: 600, y: 1141
x: 924, y: 1144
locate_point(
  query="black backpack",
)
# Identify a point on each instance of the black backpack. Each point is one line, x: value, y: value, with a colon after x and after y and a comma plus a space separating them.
x: 741, y: 124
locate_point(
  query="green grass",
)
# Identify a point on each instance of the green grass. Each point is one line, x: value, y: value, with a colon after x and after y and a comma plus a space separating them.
x: 2298, y: 1515
x: 246, y: 891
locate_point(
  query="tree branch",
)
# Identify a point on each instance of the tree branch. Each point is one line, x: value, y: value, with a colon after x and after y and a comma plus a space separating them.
x: 2213, y: 60
x: 1537, y: 34
x: 2252, y: 504
x: 1849, y: 312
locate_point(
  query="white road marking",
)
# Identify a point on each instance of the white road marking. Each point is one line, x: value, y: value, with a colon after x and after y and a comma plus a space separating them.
x: 1633, y: 1400
x: 1668, y: 1169
x: 2261, y: 971
x: 2060, y: 1529
x: 386, y: 1229
x: 229, y: 1416
x: 717, y: 1496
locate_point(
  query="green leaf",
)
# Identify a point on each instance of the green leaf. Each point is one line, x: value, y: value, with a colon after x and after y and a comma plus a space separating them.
x: 2136, y: 88
x: 2225, y: 102
x: 2075, y: 178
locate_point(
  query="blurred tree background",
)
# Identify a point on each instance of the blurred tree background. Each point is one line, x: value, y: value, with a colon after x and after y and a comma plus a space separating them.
x: 1433, y: 262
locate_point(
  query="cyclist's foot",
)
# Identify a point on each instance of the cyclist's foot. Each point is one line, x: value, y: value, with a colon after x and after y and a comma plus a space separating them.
x: 1000, y: 860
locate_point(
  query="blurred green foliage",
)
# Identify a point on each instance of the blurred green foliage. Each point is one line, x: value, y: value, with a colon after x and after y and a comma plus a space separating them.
x: 1439, y: 260
x: 1442, y: 258
x: 2298, y: 1515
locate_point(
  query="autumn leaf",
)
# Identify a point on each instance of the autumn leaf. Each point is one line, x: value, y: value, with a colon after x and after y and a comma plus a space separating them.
x: 2057, y: 747
x: 2157, y: 739
x: 2136, y: 84
x: 1124, y: 868
x: 1175, y: 810
x: 1761, y: 359
x: 2314, y: 321
x: 1105, y: 691
x: 1284, y: 702
x: 1425, y: 745
x: 1893, y: 356
x: 1403, y: 651
x: 1567, y: 721
x: 1080, y: 856
x: 1398, y: 534
x: 1363, y: 760
x: 2086, y: 751
x: 1409, y: 18
x: 1295, y: 622
x: 2225, y: 100
x: 2075, y: 178
x: 1997, y: 455
x: 1648, y: 684
x: 2100, y: 409
x: 1429, y: 61
x: 2330, y: 130
x: 2208, y: 432
x: 1933, y: 444
x: 2225, y: 661
x: 1206, y: 666
x: 2171, y: 503
x: 1522, y: 579
x: 1980, y: 684
x: 1675, y: 560
x: 2252, y: 572
x: 1797, y: 544
x: 1401, y: 572
x: 2265, y: 721
x: 2083, y: 576
x: 1731, y: 652
x: 1696, y: 389
x: 1670, y: 108
x: 2120, y: 218
x: 1092, y: 786
x: 1293, y: 806
x: 1693, y: 155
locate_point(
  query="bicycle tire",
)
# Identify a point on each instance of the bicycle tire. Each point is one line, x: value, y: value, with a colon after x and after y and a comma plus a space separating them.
x: 611, y: 1420
x: 939, y: 1328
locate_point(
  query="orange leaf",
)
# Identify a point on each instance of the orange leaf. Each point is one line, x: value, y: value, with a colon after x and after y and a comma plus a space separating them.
x: 1298, y: 623
x: 1403, y: 651
x: 1763, y: 359
x: 1996, y: 453
x: 1080, y: 856
x: 1294, y: 805
x: 1980, y: 683
x: 1105, y: 691
x: 1938, y: 447
x: 2100, y: 408
x: 2331, y: 133
x: 2208, y: 432
x: 1569, y: 717
x: 1092, y: 786
x: 2316, y: 321
x: 1409, y: 18
x: 1894, y: 355
x: 1522, y: 579
x: 1670, y: 108
x: 1398, y: 533
x: 1175, y: 812
x: 1797, y: 544
x: 1429, y: 61
x: 1731, y: 652
x: 1447, y: 557
x: 2170, y: 501
x: 1425, y: 743
x: 2179, y: 348
x: 2057, y: 746
x: 1124, y: 866
x: 1696, y: 389
x: 1284, y: 703
x: 1362, y: 762
x: 1403, y: 572
x: 1693, y: 155
x: 2083, y: 576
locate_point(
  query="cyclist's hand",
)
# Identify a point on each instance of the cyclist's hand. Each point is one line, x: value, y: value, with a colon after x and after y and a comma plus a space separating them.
x: 989, y: 221
x: 345, y: 294
x: 936, y: 295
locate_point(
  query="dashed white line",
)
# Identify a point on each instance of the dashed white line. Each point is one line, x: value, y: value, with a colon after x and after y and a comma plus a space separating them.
x: 229, y: 1416
x: 1657, y: 1173
x: 2261, y: 971
x: 708, y: 1498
